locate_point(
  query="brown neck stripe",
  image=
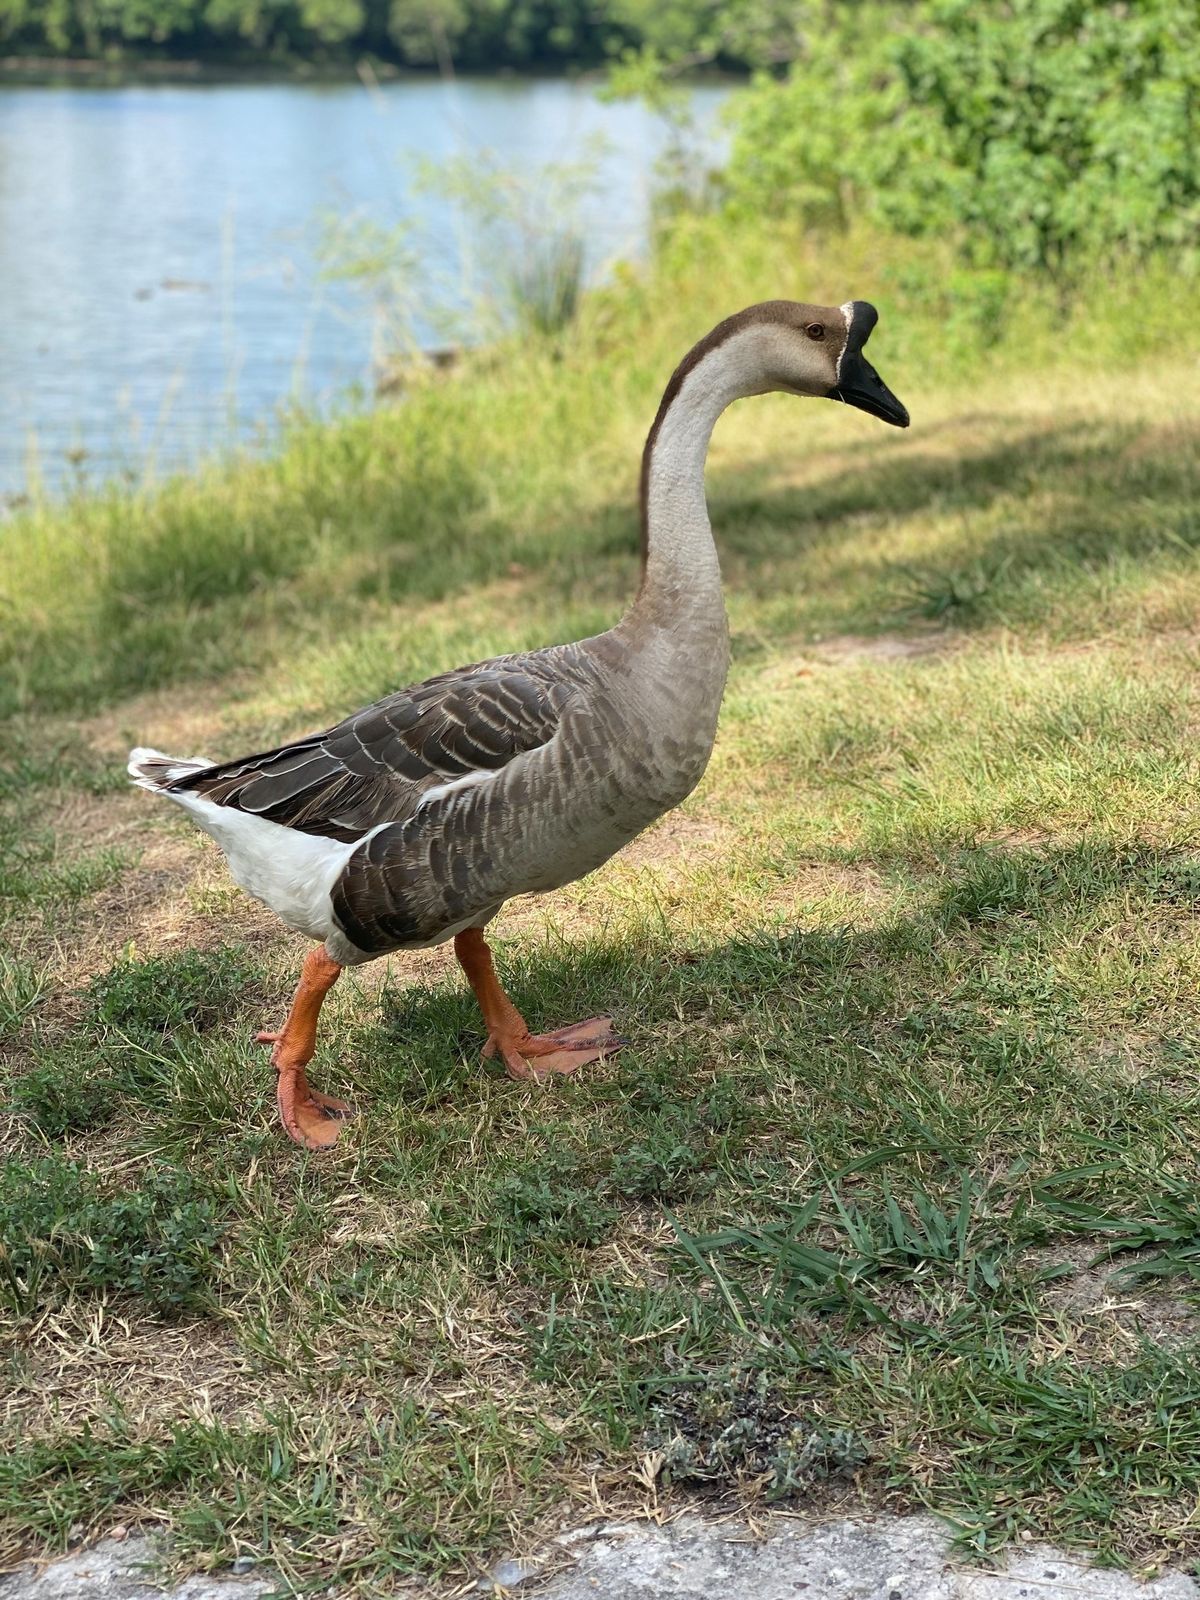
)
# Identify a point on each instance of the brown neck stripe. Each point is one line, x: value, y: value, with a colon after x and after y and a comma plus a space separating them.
x: 789, y: 313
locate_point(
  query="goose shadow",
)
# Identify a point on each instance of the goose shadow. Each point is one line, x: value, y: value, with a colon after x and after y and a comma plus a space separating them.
x: 935, y: 1028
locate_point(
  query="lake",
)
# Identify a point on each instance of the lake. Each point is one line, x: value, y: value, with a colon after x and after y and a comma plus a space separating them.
x: 164, y: 282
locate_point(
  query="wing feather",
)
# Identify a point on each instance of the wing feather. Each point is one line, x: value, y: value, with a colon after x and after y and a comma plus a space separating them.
x: 375, y: 766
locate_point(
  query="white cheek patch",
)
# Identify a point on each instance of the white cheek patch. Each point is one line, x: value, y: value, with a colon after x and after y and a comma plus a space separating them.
x: 847, y: 311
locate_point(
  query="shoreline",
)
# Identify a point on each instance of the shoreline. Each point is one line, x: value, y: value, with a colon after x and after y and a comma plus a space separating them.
x: 85, y: 71
x: 193, y: 69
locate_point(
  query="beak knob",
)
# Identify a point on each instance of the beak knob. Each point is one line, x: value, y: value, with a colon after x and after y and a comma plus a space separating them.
x: 858, y: 384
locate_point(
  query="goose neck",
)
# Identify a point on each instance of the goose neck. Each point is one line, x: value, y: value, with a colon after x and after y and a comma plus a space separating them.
x: 681, y: 574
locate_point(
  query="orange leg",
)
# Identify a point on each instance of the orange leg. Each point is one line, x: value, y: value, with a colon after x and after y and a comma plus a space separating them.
x: 525, y: 1054
x: 310, y: 1118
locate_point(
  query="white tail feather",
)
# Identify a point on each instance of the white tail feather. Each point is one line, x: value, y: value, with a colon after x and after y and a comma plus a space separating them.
x: 150, y: 769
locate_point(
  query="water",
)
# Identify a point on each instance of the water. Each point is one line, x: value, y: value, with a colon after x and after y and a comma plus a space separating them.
x: 161, y: 282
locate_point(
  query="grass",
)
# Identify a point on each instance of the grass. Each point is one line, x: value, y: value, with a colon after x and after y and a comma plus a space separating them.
x: 892, y: 1197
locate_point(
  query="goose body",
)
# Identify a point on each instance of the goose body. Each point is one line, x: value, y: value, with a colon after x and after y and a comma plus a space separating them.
x: 421, y: 815
x: 416, y: 818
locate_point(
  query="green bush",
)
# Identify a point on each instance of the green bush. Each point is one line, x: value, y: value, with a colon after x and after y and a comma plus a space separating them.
x: 65, y: 1094
x: 546, y: 1201
x: 416, y: 32
x: 63, y: 1230
x: 1041, y: 131
x: 148, y: 1000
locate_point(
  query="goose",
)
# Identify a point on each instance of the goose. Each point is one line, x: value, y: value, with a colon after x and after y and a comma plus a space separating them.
x: 411, y: 822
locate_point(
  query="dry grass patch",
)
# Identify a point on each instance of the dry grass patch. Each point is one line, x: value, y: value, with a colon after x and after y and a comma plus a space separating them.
x: 1102, y: 1313
x: 83, y: 1360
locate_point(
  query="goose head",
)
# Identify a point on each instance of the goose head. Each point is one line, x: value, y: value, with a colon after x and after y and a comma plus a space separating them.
x: 779, y: 345
x: 818, y: 350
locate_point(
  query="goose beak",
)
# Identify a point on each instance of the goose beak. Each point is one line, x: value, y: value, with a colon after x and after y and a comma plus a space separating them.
x: 858, y: 384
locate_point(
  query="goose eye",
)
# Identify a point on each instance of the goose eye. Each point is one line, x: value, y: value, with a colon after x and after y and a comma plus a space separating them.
x: 815, y: 330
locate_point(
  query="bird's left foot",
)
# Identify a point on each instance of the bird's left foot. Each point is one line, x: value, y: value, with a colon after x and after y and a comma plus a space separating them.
x: 534, y: 1055
x: 309, y: 1117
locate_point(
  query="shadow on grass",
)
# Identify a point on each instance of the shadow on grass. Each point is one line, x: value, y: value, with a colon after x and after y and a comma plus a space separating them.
x: 953, y: 1029
x: 949, y: 1034
x: 940, y: 1044
x: 1042, y: 511
x: 184, y: 592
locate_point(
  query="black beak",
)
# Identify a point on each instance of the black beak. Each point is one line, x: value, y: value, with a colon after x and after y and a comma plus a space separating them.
x: 858, y: 384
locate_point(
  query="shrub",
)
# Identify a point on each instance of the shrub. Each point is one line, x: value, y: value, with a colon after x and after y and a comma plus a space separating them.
x: 65, y: 1095
x: 547, y: 1202
x: 666, y: 1166
x: 735, y: 1428
x: 148, y: 1000
x: 1043, y: 131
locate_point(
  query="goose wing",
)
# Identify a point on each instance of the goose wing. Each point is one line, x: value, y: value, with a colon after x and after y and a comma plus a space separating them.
x: 376, y: 765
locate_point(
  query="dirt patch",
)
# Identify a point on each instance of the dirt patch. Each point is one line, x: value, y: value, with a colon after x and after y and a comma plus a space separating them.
x: 87, y: 1352
x: 854, y: 649
x: 1130, y: 1057
x: 194, y: 719
x: 174, y: 893
x: 857, y: 890
x: 88, y: 822
x: 177, y: 894
x: 1095, y: 1292
x: 675, y: 843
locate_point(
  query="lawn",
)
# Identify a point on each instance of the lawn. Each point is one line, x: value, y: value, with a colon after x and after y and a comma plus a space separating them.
x: 892, y: 1197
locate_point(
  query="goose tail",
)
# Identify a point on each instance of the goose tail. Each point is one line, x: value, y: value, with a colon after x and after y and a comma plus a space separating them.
x: 150, y: 769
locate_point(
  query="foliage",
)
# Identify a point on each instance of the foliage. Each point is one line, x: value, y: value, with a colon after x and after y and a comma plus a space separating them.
x: 1041, y: 131
x: 66, y: 1093
x: 544, y: 286
x: 727, y: 1430
x: 690, y: 33
x: 21, y: 987
x: 148, y: 1000
x: 529, y: 223
x: 420, y: 33
x: 415, y: 33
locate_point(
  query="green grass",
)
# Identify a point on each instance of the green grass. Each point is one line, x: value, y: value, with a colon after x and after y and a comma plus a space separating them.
x: 894, y: 1189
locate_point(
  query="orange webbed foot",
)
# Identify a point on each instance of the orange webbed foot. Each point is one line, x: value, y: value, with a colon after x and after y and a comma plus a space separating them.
x: 309, y: 1117
x: 536, y: 1055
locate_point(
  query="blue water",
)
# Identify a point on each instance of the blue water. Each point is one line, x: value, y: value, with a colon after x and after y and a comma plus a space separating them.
x: 163, y: 249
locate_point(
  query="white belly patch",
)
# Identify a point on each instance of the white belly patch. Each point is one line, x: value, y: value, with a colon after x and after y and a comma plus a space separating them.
x: 293, y: 873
